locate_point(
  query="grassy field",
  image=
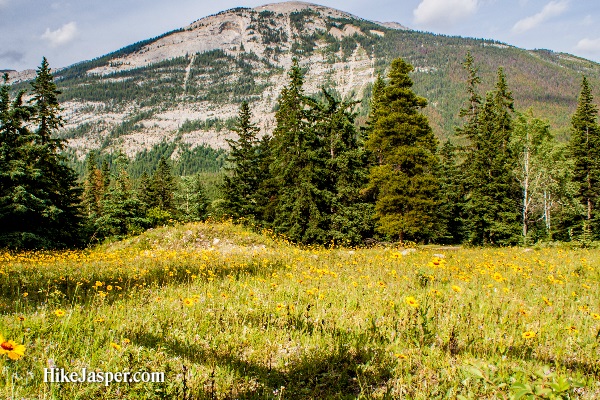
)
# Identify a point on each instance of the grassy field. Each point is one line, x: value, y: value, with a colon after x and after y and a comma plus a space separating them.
x: 227, y: 314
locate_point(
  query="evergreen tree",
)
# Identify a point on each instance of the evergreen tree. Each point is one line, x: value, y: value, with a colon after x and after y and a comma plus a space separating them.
x: 350, y: 214
x: 403, y: 180
x: 163, y: 187
x: 585, y: 150
x: 122, y: 213
x: 241, y: 185
x: 494, y: 194
x: 93, y: 187
x: 471, y: 111
x: 298, y: 167
x: 146, y: 193
x: 105, y: 175
x: 452, y: 205
x: 265, y: 197
x: 14, y: 171
x: 377, y: 92
x: 193, y: 202
x: 40, y: 206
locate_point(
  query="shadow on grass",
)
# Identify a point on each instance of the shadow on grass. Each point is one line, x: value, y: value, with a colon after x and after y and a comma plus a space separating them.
x: 30, y: 288
x: 343, y: 371
x: 529, y: 353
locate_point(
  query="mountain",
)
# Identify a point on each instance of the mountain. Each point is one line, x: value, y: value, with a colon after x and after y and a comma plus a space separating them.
x: 185, y: 86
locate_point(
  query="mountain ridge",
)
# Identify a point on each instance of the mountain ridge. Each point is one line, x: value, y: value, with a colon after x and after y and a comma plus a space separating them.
x: 186, y: 85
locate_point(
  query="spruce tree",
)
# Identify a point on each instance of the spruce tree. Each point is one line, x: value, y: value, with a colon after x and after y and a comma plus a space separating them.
x: 15, y: 203
x: 349, y: 212
x: 93, y: 187
x: 585, y: 151
x: 452, y: 197
x: 298, y: 167
x: 198, y: 201
x: 494, y: 193
x: 403, y: 180
x: 146, y: 193
x: 122, y: 213
x: 163, y: 187
x: 470, y: 111
x: 42, y: 206
x: 241, y: 184
x: 265, y: 196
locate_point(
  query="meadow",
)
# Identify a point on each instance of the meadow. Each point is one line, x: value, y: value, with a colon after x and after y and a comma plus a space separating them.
x: 227, y: 313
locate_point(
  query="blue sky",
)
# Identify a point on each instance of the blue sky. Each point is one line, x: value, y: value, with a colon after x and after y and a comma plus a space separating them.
x: 70, y: 31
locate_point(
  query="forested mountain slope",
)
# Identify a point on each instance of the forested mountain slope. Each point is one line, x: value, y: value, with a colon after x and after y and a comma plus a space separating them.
x: 184, y: 87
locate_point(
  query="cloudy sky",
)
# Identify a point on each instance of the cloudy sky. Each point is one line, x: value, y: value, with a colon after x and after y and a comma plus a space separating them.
x: 70, y: 31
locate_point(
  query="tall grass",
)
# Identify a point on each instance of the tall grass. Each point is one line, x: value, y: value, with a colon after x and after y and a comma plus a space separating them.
x: 226, y: 314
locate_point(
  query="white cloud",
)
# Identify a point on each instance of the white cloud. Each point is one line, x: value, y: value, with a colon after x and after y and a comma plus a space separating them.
x: 444, y: 13
x: 590, y: 46
x: 3, y: 3
x: 550, y: 10
x: 62, y: 35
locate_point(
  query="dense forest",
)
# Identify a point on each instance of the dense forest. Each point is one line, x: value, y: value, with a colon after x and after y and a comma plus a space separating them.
x: 321, y: 177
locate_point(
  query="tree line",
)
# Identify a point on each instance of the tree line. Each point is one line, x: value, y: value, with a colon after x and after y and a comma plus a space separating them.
x: 320, y: 179
x: 504, y: 180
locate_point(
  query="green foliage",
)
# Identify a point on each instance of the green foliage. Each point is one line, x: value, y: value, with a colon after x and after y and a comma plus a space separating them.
x: 585, y: 150
x: 452, y: 197
x: 163, y: 187
x: 122, y: 212
x: 350, y: 212
x: 39, y: 196
x: 192, y: 201
x: 542, y: 384
x: 298, y: 167
x: 492, y: 188
x: 404, y: 148
x: 241, y: 184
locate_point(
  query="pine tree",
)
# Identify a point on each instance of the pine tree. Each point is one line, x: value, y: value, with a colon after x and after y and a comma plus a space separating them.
x: 163, y: 187
x: 585, y: 150
x: 452, y: 205
x: 105, y: 175
x: 403, y: 180
x: 198, y: 201
x: 298, y: 167
x: 42, y: 206
x: 471, y: 111
x: 494, y: 194
x: 14, y: 172
x: 93, y: 187
x: 349, y: 212
x: 241, y: 185
x: 146, y: 193
x: 122, y: 213
x: 265, y: 197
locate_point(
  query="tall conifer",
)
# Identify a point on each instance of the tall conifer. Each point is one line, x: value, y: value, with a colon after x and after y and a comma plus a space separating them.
x: 585, y: 150
x: 42, y: 210
x: 241, y: 185
x: 298, y: 167
x: 494, y: 193
x: 403, y: 180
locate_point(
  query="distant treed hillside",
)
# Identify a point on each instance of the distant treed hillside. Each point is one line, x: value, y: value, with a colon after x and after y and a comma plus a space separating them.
x: 185, y: 86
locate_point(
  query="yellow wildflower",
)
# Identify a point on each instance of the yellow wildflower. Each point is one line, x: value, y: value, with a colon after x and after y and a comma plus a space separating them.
x: 13, y: 350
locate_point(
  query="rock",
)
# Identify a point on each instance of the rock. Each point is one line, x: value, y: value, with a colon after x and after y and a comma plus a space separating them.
x: 439, y: 255
x: 406, y: 252
x: 216, y: 241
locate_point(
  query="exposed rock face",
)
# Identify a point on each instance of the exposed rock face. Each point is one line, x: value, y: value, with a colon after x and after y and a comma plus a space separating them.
x: 234, y: 32
x: 185, y: 87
